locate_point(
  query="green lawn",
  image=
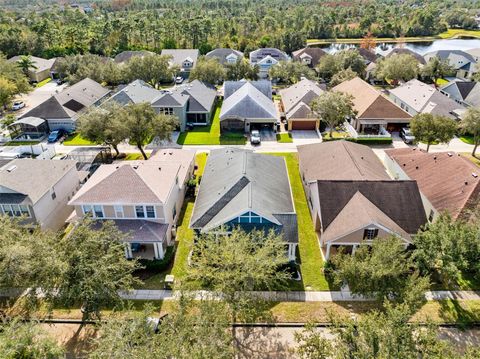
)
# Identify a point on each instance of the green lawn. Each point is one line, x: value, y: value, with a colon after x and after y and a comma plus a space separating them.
x: 467, y: 139
x: 134, y: 156
x: 22, y: 143
x: 210, y: 135
x: 41, y: 83
x: 441, y: 82
x: 76, y: 140
x: 311, y: 262
x: 456, y: 33
x: 285, y: 137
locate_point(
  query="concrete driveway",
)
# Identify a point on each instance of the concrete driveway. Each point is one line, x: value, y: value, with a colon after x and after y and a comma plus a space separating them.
x: 37, y: 96
x: 305, y: 137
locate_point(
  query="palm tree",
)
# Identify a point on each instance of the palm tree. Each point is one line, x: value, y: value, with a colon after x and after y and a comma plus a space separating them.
x: 26, y: 63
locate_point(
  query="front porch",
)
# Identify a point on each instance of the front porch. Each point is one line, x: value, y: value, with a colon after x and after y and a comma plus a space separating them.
x: 150, y: 251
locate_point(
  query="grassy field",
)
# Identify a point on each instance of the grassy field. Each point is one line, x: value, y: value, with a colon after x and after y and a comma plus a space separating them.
x: 311, y: 262
x: 285, y: 137
x: 456, y: 33
x: 210, y: 135
x: 44, y: 82
x: 76, y: 140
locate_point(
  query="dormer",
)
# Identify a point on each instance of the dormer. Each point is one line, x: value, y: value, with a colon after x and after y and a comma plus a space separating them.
x: 231, y: 58
x: 306, y: 59
x: 187, y: 63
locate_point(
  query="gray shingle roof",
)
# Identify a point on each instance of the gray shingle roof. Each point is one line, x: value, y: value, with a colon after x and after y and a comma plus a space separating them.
x: 125, y: 56
x: 456, y: 58
x: 180, y: 55
x: 247, y: 101
x: 257, y: 55
x: 468, y: 92
x: 221, y: 54
x: 299, y: 95
x: 135, y: 92
x: 40, y: 63
x: 201, y: 96
x: 34, y: 178
x: 237, y: 181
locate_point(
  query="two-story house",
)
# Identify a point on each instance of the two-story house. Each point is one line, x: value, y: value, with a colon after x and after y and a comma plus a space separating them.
x: 265, y: 58
x: 143, y: 198
x: 185, y: 59
x: 39, y: 190
x: 225, y: 56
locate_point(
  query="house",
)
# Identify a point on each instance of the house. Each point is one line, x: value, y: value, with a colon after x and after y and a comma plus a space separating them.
x: 28, y: 129
x: 191, y: 103
x: 185, y: 59
x: 41, y: 70
x: 464, y: 92
x: 61, y: 111
x: 369, y: 56
x: 247, y: 105
x: 39, y: 190
x: 376, y: 114
x: 463, y: 63
x: 309, y: 56
x: 405, y: 51
x: 142, y: 198
x: 265, y: 58
x: 417, y: 97
x: 447, y: 181
x: 475, y: 53
x: 353, y: 200
x: 249, y: 190
x: 125, y: 56
x: 296, y: 101
x: 225, y: 56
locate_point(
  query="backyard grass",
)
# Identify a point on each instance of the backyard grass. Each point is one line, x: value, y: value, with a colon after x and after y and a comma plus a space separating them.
x: 311, y: 262
x: 76, y: 140
x: 285, y: 137
x: 210, y: 135
x: 335, y: 135
x: 468, y: 139
x: 44, y: 82
x: 441, y: 82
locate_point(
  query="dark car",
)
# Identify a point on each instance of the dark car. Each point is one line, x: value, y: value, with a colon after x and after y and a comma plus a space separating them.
x: 54, y: 136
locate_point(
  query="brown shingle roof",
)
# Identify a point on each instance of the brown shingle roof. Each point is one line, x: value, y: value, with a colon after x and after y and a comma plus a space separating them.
x: 315, y: 53
x: 446, y: 179
x: 370, y: 103
x: 340, y: 160
x: 398, y: 200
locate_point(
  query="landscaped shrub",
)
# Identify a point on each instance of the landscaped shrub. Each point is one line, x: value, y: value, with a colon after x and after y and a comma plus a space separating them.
x: 161, y: 264
x: 364, y: 140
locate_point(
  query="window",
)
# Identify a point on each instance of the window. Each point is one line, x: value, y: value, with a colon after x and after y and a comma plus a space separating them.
x: 140, y: 211
x: 98, y: 210
x: 15, y: 210
x: 87, y: 209
x: 370, y: 233
x: 118, y: 211
x: 24, y: 210
x: 150, y: 211
x: 174, y: 214
x: 54, y: 195
x: 166, y: 110
x: 431, y: 215
x: 251, y: 217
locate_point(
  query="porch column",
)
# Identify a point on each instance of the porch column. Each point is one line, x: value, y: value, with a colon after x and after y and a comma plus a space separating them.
x: 354, y: 248
x: 158, y: 249
x: 128, y: 251
x: 291, y: 251
x: 327, y: 256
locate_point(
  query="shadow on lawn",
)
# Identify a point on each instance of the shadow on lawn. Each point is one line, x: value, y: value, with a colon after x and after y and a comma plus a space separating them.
x: 452, y: 310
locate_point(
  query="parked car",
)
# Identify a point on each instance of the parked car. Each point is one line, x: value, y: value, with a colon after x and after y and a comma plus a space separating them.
x: 17, y: 105
x: 255, y: 137
x: 54, y: 136
x: 407, y: 136
x: 178, y: 80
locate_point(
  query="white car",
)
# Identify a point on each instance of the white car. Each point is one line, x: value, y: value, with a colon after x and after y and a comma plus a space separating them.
x: 407, y: 136
x: 255, y: 137
x: 17, y: 105
x: 178, y: 80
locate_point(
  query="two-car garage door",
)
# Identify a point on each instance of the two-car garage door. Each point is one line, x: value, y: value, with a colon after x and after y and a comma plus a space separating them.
x: 304, y: 125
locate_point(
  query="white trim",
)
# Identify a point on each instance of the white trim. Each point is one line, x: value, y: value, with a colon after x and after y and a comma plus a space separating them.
x: 13, y: 211
x: 144, y: 206
x: 365, y: 227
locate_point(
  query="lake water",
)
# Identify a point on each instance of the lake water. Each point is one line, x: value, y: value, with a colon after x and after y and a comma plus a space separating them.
x: 419, y: 47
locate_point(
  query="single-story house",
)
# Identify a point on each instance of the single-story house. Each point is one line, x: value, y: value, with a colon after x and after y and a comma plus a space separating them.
x: 296, y: 101
x: 143, y: 199
x: 225, y: 56
x: 249, y: 190
x: 405, y: 51
x: 61, y: 111
x: 192, y: 102
x: 125, y: 56
x: 463, y: 63
x: 309, y: 56
x: 417, y: 97
x: 375, y: 112
x: 265, y: 58
x: 352, y: 199
x: 247, y: 105
x: 42, y: 70
x: 39, y: 191
x: 447, y: 181
x: 185, y: 59
x: 464, y: 92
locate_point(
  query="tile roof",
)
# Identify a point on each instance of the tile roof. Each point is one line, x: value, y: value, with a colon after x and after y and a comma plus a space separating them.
x: 247, y: 102
x: 370, y: 103
x: 448, y: 180
x: 400, y: 201
x: 33, y: 177
x: 69, y: 102
x: 340, y: 160
x: 299, y: 95
x: 236, y: 181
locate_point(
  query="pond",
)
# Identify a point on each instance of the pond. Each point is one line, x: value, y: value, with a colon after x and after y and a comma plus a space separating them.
x: 419, y: 47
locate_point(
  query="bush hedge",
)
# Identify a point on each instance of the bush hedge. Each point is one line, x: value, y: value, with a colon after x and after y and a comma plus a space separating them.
x: 161, y: 264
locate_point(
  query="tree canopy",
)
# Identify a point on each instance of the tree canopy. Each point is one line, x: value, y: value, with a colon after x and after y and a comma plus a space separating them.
x: 436, y: 69
x: 430, y: 128
x: 290, y: 72
x: 470, y: 124
x: 333, y: 108
x: 208, y: 70
x: 399, y: 67
x: 331, y: 64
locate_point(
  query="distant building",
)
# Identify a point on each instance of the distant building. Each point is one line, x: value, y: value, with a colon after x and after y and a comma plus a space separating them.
x: 464, y: 92
x: 225, y: 56
x: 41, y: 70
x: 125, y: 56
x: 309, y: 56
x: 185, y: 59
x: 265, y: 58
x: 463, y: 63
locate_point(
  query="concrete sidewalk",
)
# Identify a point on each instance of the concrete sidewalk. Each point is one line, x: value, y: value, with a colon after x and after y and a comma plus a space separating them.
x: 334, y: 296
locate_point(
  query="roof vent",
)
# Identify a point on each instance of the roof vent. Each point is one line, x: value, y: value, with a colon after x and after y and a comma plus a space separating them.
x: 416, y: 167
x: 159, y: 168
x: 135, y: 167
x: 435, y: 158
x: 474, y: 175
x: 466, y: 183
x: 450, y: 154
x: 11, y: 168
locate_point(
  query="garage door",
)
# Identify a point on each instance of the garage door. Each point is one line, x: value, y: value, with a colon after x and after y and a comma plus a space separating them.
x: 303, y: 125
